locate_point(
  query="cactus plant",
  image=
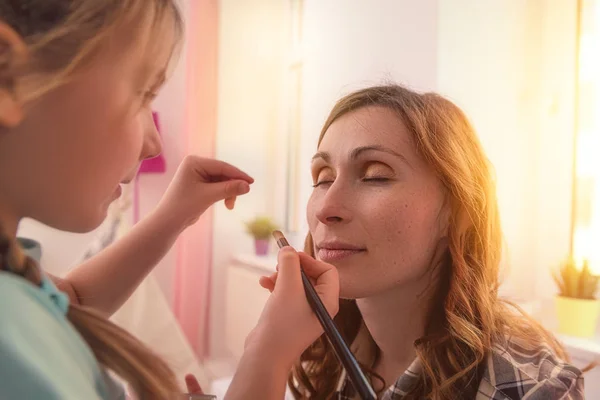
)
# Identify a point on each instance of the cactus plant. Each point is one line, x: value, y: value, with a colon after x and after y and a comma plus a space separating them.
x: 574, y: 282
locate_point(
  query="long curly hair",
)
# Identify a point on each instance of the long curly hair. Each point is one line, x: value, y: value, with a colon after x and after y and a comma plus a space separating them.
x: 466, y: 317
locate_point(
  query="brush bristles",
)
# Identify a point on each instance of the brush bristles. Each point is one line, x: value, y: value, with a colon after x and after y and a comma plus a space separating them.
x: 281, y: 240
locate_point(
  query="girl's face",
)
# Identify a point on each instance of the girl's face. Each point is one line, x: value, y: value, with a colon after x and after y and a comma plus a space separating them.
x: 376, y: 211
x: 78, y: 143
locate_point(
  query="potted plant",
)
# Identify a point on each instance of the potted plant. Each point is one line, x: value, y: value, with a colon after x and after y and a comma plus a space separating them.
x: 577, y: 307
x: 261, y: 229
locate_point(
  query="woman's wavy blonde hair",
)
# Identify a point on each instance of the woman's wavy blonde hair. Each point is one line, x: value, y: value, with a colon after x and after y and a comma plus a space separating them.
x: 467, y: 316
x: 62, y: 38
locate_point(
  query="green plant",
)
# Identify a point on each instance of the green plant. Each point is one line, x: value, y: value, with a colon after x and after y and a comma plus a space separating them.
x: 261, y: 227
x: 574, y: 282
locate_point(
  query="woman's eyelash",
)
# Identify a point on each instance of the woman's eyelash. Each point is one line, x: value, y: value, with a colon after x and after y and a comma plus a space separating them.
x: 321, y: 183
x: 376, y: 179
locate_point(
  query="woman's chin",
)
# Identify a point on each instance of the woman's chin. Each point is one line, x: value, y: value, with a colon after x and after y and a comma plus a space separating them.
x: 354, y: 291
x: 355, y: 287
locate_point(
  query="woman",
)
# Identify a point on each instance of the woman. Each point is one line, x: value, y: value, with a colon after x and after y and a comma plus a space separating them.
x: 404, y: 206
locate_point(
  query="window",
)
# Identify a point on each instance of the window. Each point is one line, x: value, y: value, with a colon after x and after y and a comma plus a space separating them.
x: 294, y: 100
x: 586, y: 206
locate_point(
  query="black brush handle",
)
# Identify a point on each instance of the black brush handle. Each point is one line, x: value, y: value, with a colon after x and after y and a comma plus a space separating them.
x: 343, y: 353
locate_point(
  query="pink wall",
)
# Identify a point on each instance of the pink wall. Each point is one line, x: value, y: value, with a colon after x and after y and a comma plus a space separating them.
x: 193, y: 268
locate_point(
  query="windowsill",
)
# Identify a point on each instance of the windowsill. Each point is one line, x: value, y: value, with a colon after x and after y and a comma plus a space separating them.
x: 577, y: 347
x: 263, y: 264
x: 589, y: 347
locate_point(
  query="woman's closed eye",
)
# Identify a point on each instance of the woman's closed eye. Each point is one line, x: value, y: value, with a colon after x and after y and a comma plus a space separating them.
x: 377, y: 173
x: 323, y: 181
x: 372, y: 173
x: 376, y: 179
x: 323, y: 177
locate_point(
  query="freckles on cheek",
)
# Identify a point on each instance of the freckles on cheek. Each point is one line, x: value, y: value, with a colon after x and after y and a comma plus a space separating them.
x: 388, y: 225
x: 396, y: 224
x: 400, y: 221
x: 399, y: 239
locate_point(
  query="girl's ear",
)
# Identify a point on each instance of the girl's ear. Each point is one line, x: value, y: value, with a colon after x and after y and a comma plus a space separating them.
x: 13, y: 53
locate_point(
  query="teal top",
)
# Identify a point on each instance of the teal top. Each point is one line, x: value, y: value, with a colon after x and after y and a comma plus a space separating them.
x: 42, y: 355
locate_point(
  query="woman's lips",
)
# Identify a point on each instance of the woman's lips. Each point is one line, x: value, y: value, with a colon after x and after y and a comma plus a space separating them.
x: 329, y: 255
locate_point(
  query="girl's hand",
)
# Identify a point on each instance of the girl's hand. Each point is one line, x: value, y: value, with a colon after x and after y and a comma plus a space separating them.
x: 193, y: 387
x: 285, y: 328
x: 288, y: 325
x: 198, y: 184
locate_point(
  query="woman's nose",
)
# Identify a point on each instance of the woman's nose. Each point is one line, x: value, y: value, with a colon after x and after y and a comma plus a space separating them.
x: 335, y: 206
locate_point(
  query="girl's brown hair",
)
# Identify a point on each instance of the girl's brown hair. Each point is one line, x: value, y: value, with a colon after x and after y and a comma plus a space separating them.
x: 467, y: 316
x: 62, y: 36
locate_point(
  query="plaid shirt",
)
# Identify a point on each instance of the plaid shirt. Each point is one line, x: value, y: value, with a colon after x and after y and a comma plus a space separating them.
x: 513, y: 371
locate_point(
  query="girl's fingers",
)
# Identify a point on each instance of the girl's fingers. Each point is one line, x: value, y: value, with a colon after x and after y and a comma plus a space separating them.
x: 268, y: 282
x: 193, y: 387
x: 230, y: 202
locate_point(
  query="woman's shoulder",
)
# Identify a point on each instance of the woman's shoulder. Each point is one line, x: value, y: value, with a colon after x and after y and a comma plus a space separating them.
x: 42, y: 355
x: 517, y: 369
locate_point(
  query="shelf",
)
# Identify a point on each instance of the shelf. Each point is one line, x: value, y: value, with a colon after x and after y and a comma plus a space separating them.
x: 587, y: 347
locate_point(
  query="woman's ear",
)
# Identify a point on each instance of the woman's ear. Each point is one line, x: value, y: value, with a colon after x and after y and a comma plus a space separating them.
x: 13, y: 53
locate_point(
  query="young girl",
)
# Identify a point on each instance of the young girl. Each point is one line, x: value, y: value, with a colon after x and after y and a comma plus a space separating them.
x: 76, y: 81
x: 404, y: 206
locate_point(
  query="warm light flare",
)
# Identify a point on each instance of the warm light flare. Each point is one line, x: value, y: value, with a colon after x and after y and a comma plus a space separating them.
x: 586, y: 235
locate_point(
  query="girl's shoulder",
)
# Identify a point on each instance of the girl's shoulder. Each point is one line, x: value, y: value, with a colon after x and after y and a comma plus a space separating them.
x: 43, y: 356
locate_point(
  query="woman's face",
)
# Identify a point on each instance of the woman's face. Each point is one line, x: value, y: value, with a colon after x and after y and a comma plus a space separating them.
x: 376, y: 211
